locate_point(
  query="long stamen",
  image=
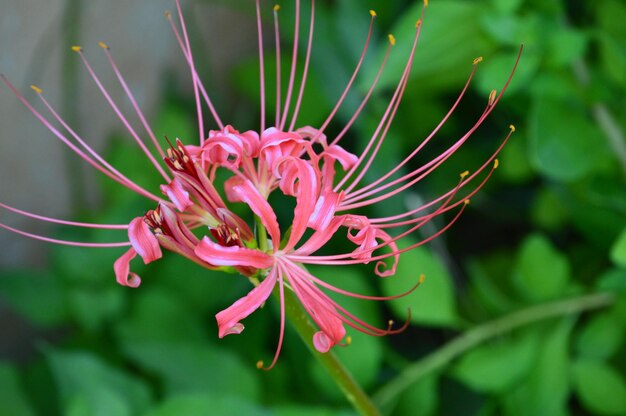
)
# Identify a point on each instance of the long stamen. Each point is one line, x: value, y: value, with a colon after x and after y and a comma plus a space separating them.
x: 122, y: 179
x: 64, y: 222
x: 425, y: 141
x: 193, y: 74
x: 261, y: 63
x: 278, y: 80
x: 131, y: 97
x: 63, y: 242
x: 397, y: 96
x: 294, y: 61
x: 69, y: 144
x: 344, y: 94
x: 305, y: 71
x: 119, y: 114
x: 195, y: 77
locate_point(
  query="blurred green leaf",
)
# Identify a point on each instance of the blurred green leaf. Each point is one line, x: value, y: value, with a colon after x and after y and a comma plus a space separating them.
x: 195, y: 368
x: 206, y: 404
x: 601, y: 389
x: 433, y: 303
x: 157, y: 315
x: 38, y: 296
x: 506, y: 6
x: 12, y: 398
x: 497, y: 367
x: 613, y: 280
x: 565, y: 45
x: 288, y: 410
x: 546, y: 388
x: 422, y: 395
x: 565, y: 145
x: 601, y: 337
x: 541, y: 272
x: 92, y: 308
x: 92, y: 387
x: 548, y: 210
x: 618, y: 251
x: 511, y: 30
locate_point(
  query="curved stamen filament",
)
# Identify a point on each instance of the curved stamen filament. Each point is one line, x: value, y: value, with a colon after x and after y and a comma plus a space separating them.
x: 119, y: 114
x: 132, y: 99
x: 344, y: 94
x: 294, y: 61
x: 278, y: 78
x: 64, y: 222
x: 63, y: 242
x: 305, y: 70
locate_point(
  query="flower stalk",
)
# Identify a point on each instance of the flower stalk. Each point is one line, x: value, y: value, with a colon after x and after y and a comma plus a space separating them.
x: 298, y: 317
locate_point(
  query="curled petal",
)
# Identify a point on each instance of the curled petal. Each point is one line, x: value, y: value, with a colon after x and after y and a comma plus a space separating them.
x: 312, y: 133
x: 123, y: 275
x: 223, y: 151
x: 143, y: 241
x: 218, y: 255
x: 276, y: 144
x: 177, y: 194
x: 325, y: 208
x: 338, y: 153
x: 228, y: 319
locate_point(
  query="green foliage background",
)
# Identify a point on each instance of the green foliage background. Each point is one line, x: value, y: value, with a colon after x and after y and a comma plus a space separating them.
x: 550, y: 225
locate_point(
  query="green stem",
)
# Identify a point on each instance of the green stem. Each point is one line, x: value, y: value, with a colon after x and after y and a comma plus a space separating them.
x: 298, y: 317
x: 458, y: 346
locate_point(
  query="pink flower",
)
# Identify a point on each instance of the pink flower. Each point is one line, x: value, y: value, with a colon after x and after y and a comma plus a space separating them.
x: 300, y: 163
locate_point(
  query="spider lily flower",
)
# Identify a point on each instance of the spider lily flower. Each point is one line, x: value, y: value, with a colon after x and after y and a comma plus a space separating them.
x: 190, y: 216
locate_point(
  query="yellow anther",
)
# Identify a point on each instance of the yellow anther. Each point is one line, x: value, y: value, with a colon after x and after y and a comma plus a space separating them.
x: 76, y: 49
x: 466, y: 202
x: 512, y: 127
x: 496, y: 163
x: 425, y: 3
x: 36, y: 89
x: 373, y: 13
x: 477, y: 60
x: 276, y: 7
x: 418, y: 23
x: 103, y: 45
x: 492, y: 96
x: 392, y: 39
x: 168, y: 14
x: 259, y: 364
x: 464, y: 174
x: 391, y: 322
x: 421, y: 279
x: 348, y: 340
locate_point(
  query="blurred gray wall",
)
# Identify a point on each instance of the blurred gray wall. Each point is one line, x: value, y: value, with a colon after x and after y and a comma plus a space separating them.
x: 32, y: 47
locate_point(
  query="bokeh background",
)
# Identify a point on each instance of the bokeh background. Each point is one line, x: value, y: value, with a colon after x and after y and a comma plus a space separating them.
x: 548, y: 228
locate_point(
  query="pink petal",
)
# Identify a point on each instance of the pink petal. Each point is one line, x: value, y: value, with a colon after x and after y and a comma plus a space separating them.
x: 320, y: 237
x: 218, y: 255
x: 321, y: 309
x: 325, y: 208
x: 228, y: 319
x: 299, y: 178
x: 245, y: 191
x: 177, y: 194
x: 123, y: 275
x: 143, y: 241
x: 338, y: 153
